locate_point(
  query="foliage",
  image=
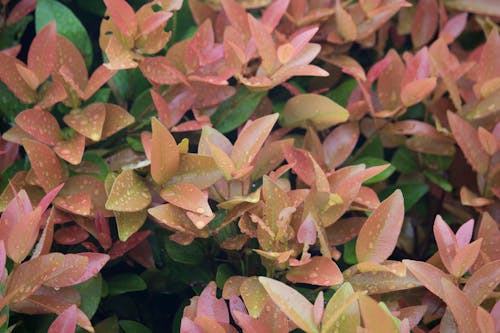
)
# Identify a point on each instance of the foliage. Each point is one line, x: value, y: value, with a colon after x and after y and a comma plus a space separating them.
x: 249, y: 166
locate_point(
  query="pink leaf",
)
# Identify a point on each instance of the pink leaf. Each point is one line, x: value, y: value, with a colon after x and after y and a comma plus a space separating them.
x: 265, y: 44
x: 42, y: 53
x: 20, y: 10
x: 464, y: 233
x: 320, y: 271
x: 212, y: 307
x: 446, y: 242
x: 453, y: 27
x: 307, y: 232
x: 65, y: 322
x: 123, y: 16
x: 339, y: 144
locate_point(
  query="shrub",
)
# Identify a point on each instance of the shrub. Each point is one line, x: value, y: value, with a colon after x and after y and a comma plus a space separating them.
x: 255, y: 166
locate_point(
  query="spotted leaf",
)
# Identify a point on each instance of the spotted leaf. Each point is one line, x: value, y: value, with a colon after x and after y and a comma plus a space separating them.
x: 128, y: 193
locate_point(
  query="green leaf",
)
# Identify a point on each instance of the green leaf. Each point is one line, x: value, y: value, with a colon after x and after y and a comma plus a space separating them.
x: 101, y: 96
x: 90, y: 292
x: 135, y: 143
x: 191, y: 254
x: 405, y: 160
x: 438, y: 180
x: 373, y: 149
x: 108, y: 325
x: 129, y: 326
x: 124, y: 283
x: 341, y: 93
x: 350, y: 252
x: 437, y: 162
x: 235, y: 111
x: 99, y: 161
x: 10, y: 106
x: 68, y: 25
x: 143, y: 105
x: 412, y: 193
x: 11, y: 34
x: 372, y: 161
x: 181, y: 24
x: 224, y: 271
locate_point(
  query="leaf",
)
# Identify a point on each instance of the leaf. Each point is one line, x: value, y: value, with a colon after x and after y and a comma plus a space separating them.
x: 123, y: 16
x: 429, y: 275
x: 412, y: 193
x: 128, y: 193
x: 484, y: 7
x: 212, y: 307
x: 372, y: 161
x: 164, y: 153
x: 340, y: 143
x: 128, y: 223
x: 378, y: 236
x: 90, y: 292
x: 375, y: 319
x: 42, y: 52
x: 124, y: 283
x: 71, y: 150
x: 68, y: 273
x: 120, y: 248
x: 460, y: 306
x: 187, y: 196
x: 88, y: 121
x: 197, y: 169
x: 251, y: 139
x: 446, y: 242
x: 11, y: 78
x: 191, y: 254
x: 3, y: 258
x: 117, y: 118
x: 235, y: 111
x: 45, y: 164
x: 425, y: 23
x: 318, y: 109
x: 467, y: 139
x: 68, y: 25
x: 405, y: 161
x: 342, y: 311
x: 345, y: 23
x: 292, y: 303
x: 29, y: 276
x: 65, y: 322
x: 265, y: 44
x: 482, y: 282
x: 254, y: 296
x: 416, y: 91
x: 465, y: 257
x: 129, y: 326
x: 320, y: 271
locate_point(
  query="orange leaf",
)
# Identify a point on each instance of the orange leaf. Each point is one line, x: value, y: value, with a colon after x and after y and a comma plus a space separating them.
x: 375, y: 319
x: 265, y: 44
x: 425, y: 23
x: 10, y: 76
x: 123, y: 16
x: 117, y: 118
x: 378, y: 236
x: 319, y: 271
x: 65, y: 322
x: 254, y: 296
x: 89, y: 121
x: 342, y: 311
x: 460, y: 306
x: 40, y: 124
x: 162, y: 108
x: 45, y: 164
x: 197, y: 169
x: 187, y: 196
x: 429, y: 275
x: 42, y: 53
x: 68, y: 273
x: 345, y: 24
x: 416, y: 91
x: 483, y: 282
x: 72, y: 149
x: 164, y: 153
x: 100, y: 76
x: 339, y: 144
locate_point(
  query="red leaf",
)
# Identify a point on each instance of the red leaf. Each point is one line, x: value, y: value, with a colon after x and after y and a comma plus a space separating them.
x: 429, y: 275
x: 65, y: 322
x: 483, y: 282
x: 68, y: 273
x: 237, y: 15
x: 123, y: 16
x: 465, y: 257
x: 320, y: 271
x: 20, y: 10
x: 3, y: 258
x: 40, y: 124
x: 446, y: 242
x: 378, y: 236
x: 42, y: 53
x: 103, y: 231
x: 425, y: 23
x: 162, y: 108
x: 273, y: 13
x: 100, y: 76
x: 10, y: 76
x: 120, y: 248
x: 71, y: 235
x: 160, y: 71
x: 165, y: 155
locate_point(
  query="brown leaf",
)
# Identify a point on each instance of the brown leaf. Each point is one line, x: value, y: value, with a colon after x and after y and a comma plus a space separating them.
x: 88, y: 121
x: 425, y: 23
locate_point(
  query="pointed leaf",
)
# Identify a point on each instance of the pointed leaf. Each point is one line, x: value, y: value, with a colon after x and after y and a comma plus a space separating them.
x: 265, y: 44
x: 71, y: 150
x: 345, y: 23
x: 89, y: 121
x: 254, y: 296
x: 342, y: 311
x: 210, y: 306
x: 164, y: 153
x: 128, y: 223
x: 187, y: 196
x: 197, y: 169
x: 292, y: 303
x: 339, y: 144
x: 375, y: 319
x: 128, y: 193
x: 429, y: 275
x: 378, y: 236
x: 425, y: 23
x: 42, y: 53
x: 467, y: 139
x: 123, y: 16
x: 416, y: 91
x: 465, y: 257
x: 460, y: 306
x: 446, y: 242
x: 65, y: 322
x: 483, y: 282
x: 117, y: 118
